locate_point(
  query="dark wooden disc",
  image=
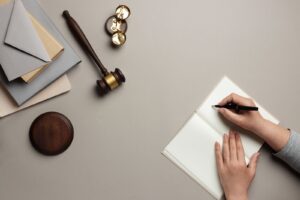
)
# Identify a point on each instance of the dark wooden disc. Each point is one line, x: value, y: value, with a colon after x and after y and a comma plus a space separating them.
x: 51, y: 133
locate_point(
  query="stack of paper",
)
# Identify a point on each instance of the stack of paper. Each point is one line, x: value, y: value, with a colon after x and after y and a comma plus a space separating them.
x: 33, y: 54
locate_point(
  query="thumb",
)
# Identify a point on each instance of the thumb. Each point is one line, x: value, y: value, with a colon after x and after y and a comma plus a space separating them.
x: 253, y: 163
x: 231, y: 116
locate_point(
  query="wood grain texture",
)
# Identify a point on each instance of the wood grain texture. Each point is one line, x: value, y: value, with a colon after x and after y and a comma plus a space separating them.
x: 51, y: 133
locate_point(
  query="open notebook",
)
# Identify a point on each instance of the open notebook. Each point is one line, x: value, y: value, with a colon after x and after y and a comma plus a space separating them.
x: 192, y: 149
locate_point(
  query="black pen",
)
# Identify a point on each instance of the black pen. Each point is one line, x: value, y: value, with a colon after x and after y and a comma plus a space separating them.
x: 237, y: 107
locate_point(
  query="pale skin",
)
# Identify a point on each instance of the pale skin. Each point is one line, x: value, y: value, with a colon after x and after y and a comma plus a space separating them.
x: 235, y: 176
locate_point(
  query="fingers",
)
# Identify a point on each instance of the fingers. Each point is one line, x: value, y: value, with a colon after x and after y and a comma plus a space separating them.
x: 237, y: 99
x: 230, y: 115
x: 232, y: 146
x: 219, y: 158
x: 253, y: 163
x: 239, y: 148
x: 226, y: 156
x: 236, y: 118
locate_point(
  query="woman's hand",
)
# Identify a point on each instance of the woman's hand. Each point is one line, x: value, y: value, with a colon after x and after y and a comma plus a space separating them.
x: 276, y: 136
x: 235, y: 176
x: 249, y: 120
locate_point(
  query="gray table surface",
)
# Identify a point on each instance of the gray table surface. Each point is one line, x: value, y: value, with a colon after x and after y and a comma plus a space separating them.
x: 175, y: 54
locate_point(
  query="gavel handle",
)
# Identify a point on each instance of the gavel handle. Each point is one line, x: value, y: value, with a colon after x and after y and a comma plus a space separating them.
x: 81, y: 38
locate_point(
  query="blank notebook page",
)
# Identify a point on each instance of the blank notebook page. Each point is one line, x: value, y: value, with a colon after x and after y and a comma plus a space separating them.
x: 193, y: 151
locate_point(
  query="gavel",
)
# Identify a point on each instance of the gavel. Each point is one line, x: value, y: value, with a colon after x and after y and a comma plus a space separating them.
x: 109, y: 80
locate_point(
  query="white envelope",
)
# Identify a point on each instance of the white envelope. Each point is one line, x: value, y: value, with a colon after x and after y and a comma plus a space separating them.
x: 21, y: 49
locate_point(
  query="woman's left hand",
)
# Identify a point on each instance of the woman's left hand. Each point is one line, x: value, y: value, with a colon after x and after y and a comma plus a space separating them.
x: 235, y: 176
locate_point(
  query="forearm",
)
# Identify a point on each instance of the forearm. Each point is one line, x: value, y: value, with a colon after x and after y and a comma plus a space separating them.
x: 240, y: 197
x: 286, y: 143
x: 274, y: 135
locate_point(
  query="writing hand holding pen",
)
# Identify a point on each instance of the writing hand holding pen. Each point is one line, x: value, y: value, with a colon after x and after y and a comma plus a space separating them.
x: 234, y: 184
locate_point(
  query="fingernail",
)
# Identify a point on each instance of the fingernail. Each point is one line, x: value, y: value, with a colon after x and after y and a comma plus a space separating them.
x: 217, y: 145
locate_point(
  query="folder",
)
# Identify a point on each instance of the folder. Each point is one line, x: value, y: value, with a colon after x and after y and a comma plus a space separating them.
x: 7, y: 105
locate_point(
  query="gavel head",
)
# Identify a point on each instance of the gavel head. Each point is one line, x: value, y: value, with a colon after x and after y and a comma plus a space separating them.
x: 110, y: 81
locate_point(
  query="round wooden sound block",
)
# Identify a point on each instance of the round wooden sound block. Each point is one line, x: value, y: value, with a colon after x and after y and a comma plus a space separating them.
x: 51, y: 133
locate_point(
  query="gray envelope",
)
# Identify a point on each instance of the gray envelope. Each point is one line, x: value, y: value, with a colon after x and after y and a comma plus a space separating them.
x: 21, y: 91
x: 21, y: 49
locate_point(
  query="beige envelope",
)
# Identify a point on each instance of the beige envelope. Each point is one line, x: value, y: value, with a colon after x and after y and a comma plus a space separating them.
x: 53, y: 48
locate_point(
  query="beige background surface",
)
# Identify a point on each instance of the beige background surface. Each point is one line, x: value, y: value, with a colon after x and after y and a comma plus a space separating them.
x: 175, y: 54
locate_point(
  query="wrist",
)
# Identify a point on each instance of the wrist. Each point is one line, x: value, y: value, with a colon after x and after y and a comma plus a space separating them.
x: 261, y: 127
x: 243, y: 196
x: 273, y: 134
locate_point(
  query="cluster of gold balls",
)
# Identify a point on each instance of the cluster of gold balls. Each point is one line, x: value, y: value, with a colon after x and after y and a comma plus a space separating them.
x: 116, y: 25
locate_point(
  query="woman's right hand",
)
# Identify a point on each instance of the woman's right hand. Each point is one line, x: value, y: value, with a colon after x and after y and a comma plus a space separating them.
x: 249, y: 120
x: 275, y: 135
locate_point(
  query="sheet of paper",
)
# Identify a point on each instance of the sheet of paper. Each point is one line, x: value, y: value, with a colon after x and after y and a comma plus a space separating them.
x: 193, y: 151
x: 251, y: 143
x: 8, y: 106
